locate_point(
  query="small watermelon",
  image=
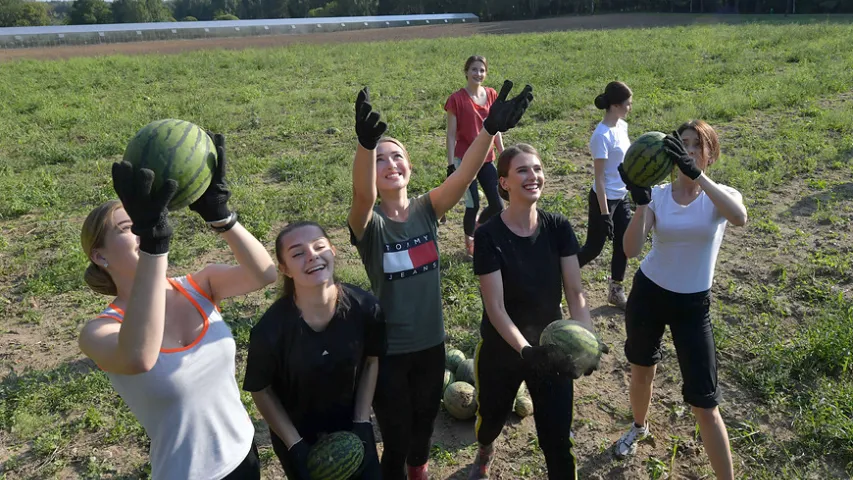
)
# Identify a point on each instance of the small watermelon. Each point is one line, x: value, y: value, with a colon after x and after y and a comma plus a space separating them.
x: 646, y: 163
x: 178, y: 150
x: 448, y: 379
x: 453, y: 358
x: 335, y: 456
x: 523, y: 406
x: 573, y: 340
x: 522, y: 390
x: 460, y: 400
x: 465, y: 372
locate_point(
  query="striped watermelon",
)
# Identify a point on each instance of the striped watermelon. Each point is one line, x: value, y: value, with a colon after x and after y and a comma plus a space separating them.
x: 453, y: 358
x: 646, y: 163
x: 460, y: 400
x: 523, y: 406
x: 178, y: 150
x: 465, y: 372
x: 573, y: 340
x: 335, y: 456
x: 448, y: 379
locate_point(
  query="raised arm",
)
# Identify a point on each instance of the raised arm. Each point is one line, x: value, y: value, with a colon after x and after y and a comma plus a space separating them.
x: 133, y: 346
x: 255, y: 268
x: 641, y: 222
x: 369, y: 130
x: 503, y: 115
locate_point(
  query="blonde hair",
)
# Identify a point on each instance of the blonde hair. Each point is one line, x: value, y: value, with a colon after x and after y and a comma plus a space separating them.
x: 92, y: 236
x: 399, y: 144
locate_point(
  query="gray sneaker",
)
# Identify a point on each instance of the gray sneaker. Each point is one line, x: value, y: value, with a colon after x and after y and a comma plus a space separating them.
x: 627, y: 445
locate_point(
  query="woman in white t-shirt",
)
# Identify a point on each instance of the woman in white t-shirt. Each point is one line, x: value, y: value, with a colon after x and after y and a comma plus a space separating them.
x: 609, y: 212
x: 687, y: 219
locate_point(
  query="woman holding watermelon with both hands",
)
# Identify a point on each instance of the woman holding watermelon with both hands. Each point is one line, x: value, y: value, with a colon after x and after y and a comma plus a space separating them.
x: 526, y: 259
x: 397, y: 243
x: 162, y: 341
x: 313, y: 355
x: 687, y: 219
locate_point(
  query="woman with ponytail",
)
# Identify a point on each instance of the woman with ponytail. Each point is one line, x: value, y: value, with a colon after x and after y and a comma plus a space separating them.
x: 162, y: 341
x: 609, y: 213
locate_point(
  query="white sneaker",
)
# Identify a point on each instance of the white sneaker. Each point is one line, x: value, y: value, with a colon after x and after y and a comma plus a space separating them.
x: 627, y: 445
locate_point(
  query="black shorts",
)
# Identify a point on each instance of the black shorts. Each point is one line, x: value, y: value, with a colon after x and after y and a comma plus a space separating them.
x: 650, y: 308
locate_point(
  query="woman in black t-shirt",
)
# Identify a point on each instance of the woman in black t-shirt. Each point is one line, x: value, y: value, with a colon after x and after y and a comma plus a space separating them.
x: 313, y: 356
x: 526, y: 259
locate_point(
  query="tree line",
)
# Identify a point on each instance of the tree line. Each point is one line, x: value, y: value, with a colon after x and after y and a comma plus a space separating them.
x: 17, y: 13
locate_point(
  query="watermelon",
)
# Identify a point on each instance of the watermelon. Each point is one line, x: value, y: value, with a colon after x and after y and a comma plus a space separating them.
x: 523, y: 406
x: 460, y: 400
x: 453, y: 358
x: 646, y: 163
x: 448, y: 379
x: 465, y: 372
x: 579, y: 345
x: 335, y: 456
x: 178, y: 150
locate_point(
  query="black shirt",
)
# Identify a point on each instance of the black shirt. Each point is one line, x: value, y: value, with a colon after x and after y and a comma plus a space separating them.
x: 315, y: 374
x: 530, y: 271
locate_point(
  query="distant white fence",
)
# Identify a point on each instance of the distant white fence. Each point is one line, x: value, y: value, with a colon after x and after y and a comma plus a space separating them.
x: 23, y: 37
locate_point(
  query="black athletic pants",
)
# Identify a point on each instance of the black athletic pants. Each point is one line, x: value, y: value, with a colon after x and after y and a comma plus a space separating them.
x: 406, y: 402
x: 620, y: 212
x: 249, y: 469
x: 499, y: 372
x: 488, y: 179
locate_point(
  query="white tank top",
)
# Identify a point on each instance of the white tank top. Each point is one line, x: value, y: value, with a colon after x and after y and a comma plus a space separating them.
x: 189, y: 403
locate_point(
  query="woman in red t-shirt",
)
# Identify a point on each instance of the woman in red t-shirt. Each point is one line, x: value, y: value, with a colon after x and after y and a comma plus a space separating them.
x: 466, y: 110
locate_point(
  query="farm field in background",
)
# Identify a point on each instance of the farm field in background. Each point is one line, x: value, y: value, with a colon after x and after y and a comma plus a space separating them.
x: 778, y: 93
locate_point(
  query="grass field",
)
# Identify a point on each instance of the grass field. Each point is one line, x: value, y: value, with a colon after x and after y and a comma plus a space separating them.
x: 779, y: 94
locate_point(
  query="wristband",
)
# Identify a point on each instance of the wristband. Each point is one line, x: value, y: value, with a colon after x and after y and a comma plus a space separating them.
x: 230, y: 222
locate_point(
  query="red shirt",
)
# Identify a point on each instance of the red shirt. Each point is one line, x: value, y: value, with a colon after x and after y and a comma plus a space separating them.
x: 469, y: 119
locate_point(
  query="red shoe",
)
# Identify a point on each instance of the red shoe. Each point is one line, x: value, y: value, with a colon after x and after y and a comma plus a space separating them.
x: 417, y: 473
x: 469, y: 245
x: 483, y: 462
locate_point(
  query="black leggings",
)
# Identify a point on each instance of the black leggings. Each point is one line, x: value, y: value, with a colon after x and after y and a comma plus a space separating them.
x: 406, y: 402
x: 620, y: 212
x: 499, y: 372
x: 249, y: 469
x: 488, y: 179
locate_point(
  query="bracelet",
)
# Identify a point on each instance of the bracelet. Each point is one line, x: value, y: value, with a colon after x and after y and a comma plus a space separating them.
x: 229, y: 223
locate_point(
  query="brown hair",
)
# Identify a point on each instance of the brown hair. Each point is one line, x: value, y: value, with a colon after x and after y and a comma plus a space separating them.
x: 708, y: 139
x: 475, y: 58
x: 505, y: 161
x: 92, y: 236
x: 615, y: 93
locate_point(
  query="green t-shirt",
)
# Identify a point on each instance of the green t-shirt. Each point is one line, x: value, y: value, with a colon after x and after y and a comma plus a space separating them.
x: 401, y: 259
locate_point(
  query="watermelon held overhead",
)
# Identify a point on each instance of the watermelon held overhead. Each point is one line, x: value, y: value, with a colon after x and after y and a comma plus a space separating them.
x: 335, y: 456
x: 575, y: 341
x: 646, y: 163
x: 178, y: 150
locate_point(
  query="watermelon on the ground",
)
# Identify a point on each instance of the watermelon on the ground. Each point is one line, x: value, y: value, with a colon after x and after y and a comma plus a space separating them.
x: 465, y: 372
x: 460, y: 400
x: 579, y: 345
x: 522, y: 390
x: 523, y: 406
x: 335, y: 456
x: 448, y: 379
x: 178, y: 150
x: 453, y: 358
x: 646, y: 163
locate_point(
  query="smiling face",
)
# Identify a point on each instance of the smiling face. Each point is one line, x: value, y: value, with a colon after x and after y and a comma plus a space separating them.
x: 392, y: 167
x: 524, y: 179
x: 476, y: 72
x: 307, y: 257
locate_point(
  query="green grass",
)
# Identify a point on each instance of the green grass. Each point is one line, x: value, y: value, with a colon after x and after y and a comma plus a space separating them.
x: 779, y: 94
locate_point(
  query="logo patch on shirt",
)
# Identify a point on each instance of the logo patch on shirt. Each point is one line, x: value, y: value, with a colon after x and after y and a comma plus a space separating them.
x: 409, y: 257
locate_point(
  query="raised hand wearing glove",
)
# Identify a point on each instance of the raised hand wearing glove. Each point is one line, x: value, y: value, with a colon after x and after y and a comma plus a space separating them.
x: 368, y: 126
x: 213, y: 203
x: 147, y: 210
x: 505, y: 114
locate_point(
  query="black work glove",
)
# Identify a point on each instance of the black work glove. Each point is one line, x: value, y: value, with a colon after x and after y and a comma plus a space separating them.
x: 450, y: 169
x: 505, y: 114
x: 607, y: 224
x: 213, y: 203
x: 368, y: 127
x: 545, y: 359
x: 641, y: 195
x: 298, y: 453
x: 370, y: 464
x: 147, y: 210
x: 674, y: 148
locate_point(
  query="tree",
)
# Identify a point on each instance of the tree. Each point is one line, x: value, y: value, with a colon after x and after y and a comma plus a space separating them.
x: 19, y: 13
x: 90, y: 12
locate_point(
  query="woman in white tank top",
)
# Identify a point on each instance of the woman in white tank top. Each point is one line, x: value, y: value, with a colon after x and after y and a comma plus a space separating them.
x: 162, y: 341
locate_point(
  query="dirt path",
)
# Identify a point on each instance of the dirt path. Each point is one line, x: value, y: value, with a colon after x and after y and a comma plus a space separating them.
x: 638, y: 20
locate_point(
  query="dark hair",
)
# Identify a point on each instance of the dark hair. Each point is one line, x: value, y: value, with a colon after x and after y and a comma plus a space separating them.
x: 475, y: 58
x: 505, y: 161
x: 708, y: 139
x: 614, y: 94
x: 288, y: 287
